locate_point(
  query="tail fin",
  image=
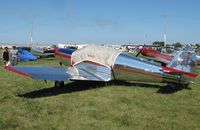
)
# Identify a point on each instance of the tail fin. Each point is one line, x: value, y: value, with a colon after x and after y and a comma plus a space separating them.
x: 184, y: 60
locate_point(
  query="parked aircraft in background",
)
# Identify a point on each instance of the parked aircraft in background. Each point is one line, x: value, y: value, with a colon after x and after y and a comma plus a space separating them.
x: 198, y: 59
x: 160, y: 57
x: 156, y: 56
x: 99, y: 63
x: 39, y: 52
x: 25, y: 55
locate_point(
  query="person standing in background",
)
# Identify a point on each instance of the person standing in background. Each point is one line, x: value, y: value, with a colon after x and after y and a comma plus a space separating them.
x: 5, y: 56
x: 13, y: 56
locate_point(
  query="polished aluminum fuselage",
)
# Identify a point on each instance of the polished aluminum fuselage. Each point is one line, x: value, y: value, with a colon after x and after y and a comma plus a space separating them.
x: 130, y: 68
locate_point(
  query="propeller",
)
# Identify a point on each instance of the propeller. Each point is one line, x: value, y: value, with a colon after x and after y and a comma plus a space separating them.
x: 138, y: 53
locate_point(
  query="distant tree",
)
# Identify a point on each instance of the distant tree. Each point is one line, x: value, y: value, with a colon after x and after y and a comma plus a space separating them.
x: 177, y: 45
x: 198, y: 45
x: 158, y: 43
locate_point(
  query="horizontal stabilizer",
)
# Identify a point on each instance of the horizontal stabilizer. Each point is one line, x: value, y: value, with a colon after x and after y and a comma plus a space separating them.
x: 175, y: 71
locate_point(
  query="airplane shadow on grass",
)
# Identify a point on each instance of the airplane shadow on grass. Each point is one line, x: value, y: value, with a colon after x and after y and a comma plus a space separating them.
x: 87, y: 85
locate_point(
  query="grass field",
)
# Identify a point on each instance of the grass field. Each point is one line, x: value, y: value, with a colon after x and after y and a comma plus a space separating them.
x: 33, y: 104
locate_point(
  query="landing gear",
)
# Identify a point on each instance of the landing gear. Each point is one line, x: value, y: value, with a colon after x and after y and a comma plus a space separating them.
x: 186, y: 86
x: 59, y: 84
x: 60, y: 63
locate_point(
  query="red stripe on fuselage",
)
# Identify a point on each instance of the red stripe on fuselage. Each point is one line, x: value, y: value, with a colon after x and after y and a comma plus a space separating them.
x: 179, y: 71
x: 16, y: 71
x: 62, y: 54
x: 135, y: 71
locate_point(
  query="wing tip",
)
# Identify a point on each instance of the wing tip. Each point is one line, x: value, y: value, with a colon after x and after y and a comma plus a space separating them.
x: 16, y: 71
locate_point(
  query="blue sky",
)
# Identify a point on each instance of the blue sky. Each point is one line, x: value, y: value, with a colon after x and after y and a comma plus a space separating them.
x: 99, y: 21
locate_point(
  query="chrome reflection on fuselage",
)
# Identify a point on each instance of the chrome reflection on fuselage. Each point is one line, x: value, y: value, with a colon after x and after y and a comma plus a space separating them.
x: 130, y: 68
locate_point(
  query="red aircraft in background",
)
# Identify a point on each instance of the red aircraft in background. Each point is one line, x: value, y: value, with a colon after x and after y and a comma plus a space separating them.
x: 159, y: 56
x: 156, y: 56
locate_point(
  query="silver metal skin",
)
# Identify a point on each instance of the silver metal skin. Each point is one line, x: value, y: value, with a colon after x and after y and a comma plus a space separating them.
x: 130, y: 68
x: 93, y: 72
x: 186, y: 61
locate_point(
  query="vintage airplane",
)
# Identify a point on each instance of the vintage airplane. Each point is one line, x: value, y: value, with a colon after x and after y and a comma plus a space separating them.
x: 100, y: 63
x: 159, y: 56
x: 39, y: 52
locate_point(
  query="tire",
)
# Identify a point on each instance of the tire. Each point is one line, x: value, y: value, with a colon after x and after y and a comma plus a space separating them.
x: 62, y: 83
x: 59, y: 84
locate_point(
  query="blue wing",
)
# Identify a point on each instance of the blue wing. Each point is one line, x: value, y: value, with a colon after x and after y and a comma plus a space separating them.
x: 42, y: 72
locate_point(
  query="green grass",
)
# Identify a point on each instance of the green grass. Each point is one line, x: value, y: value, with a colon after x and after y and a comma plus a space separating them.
x: 33, y: 104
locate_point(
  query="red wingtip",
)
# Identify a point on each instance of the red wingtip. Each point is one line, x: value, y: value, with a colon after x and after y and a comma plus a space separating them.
x: 16, y: 71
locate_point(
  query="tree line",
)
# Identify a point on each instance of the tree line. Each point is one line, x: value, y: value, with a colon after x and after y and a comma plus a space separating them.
x: 176, y: 45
